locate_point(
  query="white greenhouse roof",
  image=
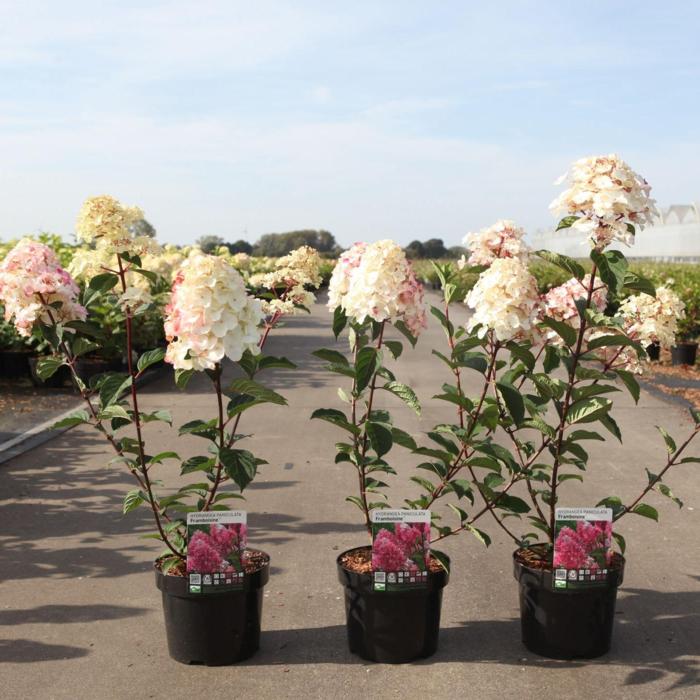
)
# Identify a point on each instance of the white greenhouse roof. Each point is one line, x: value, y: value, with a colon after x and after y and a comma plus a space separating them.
x: 675, y: 235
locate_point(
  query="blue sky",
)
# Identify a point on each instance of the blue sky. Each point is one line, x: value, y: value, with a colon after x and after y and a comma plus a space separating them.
x: 370, y: 119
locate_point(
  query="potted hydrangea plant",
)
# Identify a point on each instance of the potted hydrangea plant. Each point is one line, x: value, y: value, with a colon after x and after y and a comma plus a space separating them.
x: 547, y: 366
x: 210, y: 316
x: 373, y: 288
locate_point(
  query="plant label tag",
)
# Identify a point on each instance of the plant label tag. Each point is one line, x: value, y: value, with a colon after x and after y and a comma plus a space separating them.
x: 216, y: 542
x: 400, y: 549
x: 582, y: 547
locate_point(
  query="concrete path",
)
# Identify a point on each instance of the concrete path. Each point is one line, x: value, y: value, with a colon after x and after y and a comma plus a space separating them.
x: 80, y: 616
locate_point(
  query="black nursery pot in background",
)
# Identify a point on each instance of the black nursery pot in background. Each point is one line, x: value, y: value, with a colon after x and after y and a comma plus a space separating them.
x: 391, y: 627
x: 684, y: 354
x: 217, y: 629
x: 572, y: 623
x: 14, y: 363
x: 654, y: 352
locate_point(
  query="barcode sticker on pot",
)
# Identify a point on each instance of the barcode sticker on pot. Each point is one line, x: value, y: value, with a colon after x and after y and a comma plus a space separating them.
x: 216, y: 542
x: 582, y: 547
x: 400, y: 549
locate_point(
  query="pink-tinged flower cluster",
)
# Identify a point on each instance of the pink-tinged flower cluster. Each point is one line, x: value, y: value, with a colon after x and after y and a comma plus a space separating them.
x: 32, y: 281
x: 608, y: 199
x: 210, y: 315
x: 376, y: 281
x: 559, y: 302
x: 573, y: 549
x: 401, y: 549
x: 653, y: 319
x: 502, y: 240
x: 211, y: 553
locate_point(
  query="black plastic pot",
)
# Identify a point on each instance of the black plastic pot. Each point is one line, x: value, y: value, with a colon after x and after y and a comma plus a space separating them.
x: 572, y: 623
x: 217, y: 629
x: 55, y: 381
x: 654, y: 352
x: 14, y: 363
x: 391, y: 627
x: 684, y: 354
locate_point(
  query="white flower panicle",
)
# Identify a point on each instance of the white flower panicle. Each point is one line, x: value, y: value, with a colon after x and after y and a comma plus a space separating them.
x: 289, y: 281
x: 210, y: 316
x: 377, y: 281
x: 653, y: 319
x: 502, y: 240
x: 608, y: 198
x: 103, y: 220
x: 506, y: 301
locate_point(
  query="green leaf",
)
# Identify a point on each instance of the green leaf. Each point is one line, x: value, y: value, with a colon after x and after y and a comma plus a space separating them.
x: 513, y: 400
x: 133, y: 500
x: 150, y: 357
x: 75, y: 418
x: 612, y: 268
x: 562, y: 261
x: 666, y: 491
x: 47, y: 366
x: 103, y: 282
x: 563, y: 330
x: 366, y: 365
x: 620, y: 542
x: 332, y: 415
x: 402, y: 328
x: 112, y: 388
x: 151, y: 276
x: 567, y: 222
x: 379, y: 437
x: 442, y: 558
x: 480, y: 535
x: 339, y: 321
x: 462, y: 488
x: 695, y: 415
x: 588, y: 410
x: 162, y: 456
x: 271, y: 362
x: 332, y: 356
x: 113, y: 411
x: 182, y: 377
x: 609, y: 422
x: 405, y: 393
x: 444, y: 321
x: 81, y: 346
x: 197, y: 464
x: 159, y: 415
x: 610, y: 341
x: 629, y: 380
x: 511, y: 503
x: 670, y: 442
x: 257, y: 391
x: 552, y: 359
x: 402, y: 438
x: 205, y: 429
x: 240, y: 465
x: 395, y: 348
x: 639, y: 284
x: 647, y: 511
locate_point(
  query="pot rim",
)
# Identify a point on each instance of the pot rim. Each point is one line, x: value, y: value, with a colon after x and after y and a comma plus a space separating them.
x: 178, y: 585
x: 543, y: 576
x: 364, y: 582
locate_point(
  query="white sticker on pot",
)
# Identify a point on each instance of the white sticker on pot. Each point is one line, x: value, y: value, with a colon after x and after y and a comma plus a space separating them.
x: 582, y: 547
x: 216, y: 542
x: 400, y: 549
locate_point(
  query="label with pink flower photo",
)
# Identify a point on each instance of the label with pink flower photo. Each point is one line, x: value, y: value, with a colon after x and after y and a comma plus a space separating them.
x: 216, y: 542
x: 400, y: 549
x: 582, y: 547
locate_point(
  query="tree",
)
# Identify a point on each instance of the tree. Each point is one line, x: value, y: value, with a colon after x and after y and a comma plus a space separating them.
x: 209, y: 243
x: 240, y: 246
x: 278, y: 244
x: 143, y: 228
x: 415, y: 250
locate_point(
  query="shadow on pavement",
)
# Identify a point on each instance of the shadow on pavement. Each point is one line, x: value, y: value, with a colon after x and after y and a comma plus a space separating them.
x: 655, y: 637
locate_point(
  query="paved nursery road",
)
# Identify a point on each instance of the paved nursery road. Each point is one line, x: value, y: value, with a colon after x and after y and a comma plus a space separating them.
x: 80, y: 615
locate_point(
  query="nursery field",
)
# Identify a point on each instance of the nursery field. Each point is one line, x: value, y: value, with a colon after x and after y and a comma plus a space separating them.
x: 80, y: 616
